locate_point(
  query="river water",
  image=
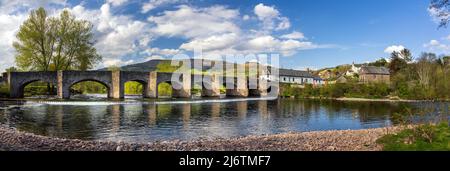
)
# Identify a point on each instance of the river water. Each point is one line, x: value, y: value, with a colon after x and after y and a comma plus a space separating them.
x: 133, y: 120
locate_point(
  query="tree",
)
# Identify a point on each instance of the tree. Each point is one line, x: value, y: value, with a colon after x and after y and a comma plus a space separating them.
x: 113, y: 68
x: 55, y: 43
x: 379, y: 63
x: 425, y: 68
x: 12, y: 69
x: 442, y: 10
x: 399, y: 61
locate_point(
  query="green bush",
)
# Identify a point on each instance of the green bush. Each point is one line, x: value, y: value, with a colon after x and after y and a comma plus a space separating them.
x: 4, y: 90
x: 352, y: 89
x: 426, y: 137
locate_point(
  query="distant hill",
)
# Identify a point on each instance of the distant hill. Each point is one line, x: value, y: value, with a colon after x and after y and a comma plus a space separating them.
x: 144, y: 67
x: 153, y: 64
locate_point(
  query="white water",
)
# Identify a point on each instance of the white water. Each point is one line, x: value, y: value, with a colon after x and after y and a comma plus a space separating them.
x: 106, y: 103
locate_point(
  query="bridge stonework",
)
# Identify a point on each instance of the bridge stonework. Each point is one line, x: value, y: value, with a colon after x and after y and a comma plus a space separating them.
x: 115, y: 81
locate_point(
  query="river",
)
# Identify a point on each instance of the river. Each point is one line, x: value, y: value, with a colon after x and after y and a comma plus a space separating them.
x: 134, y: 120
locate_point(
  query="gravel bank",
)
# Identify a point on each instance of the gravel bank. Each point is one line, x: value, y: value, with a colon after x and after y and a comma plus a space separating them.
x: 346, y: 140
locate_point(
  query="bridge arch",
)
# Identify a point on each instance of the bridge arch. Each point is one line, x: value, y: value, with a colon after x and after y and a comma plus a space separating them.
x: 67, y: 90
x: 71, y: 78
x: 142, y: 78
x: 18, y: 81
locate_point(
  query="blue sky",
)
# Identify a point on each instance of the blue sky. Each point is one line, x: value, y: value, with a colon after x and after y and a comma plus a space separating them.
x: 307, y: 33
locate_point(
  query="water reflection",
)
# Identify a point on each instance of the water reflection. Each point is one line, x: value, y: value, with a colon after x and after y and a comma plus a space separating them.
x: 140, y: 122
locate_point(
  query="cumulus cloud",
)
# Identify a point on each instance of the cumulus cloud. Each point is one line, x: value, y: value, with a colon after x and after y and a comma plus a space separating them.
x: 211, y: 43
x: 116, y: 35
x: 215, y: 29
x: 437, y: 46
x: 154, y: 57
x: 9, y: 26
x: 272, y: 44
x: 152, y: 4
x: 246, y: 17
x: 116, y: 62
x: 12, y: 15
x: 394, y: 48
x: 159, y: 52
x: 294, y: 35
x: 271, y: 18
x: 14, y: 6
x: 116, y: 2
x: 190, y: 22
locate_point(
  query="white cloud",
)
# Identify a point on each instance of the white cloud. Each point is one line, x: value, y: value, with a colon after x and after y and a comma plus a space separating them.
x: 116, y: 2
x: 15, y: 6
x: 12, y: 15
x: 9, y: 26
x: 211, y: 43
x: 271, y: 44
x: 116, y: 35
x: 447, y: 38
x: 190, y: 22
x: 154, y: 57
x: 271, y: 18
x: 394, y: 48
x: 294, y: 35
x: 284, y: 24
x: 266, y: 12
x: 436, y: 46
x: 246, y: 17
x: 164, y: 52
x: 215, y: 29
x: 152, y: 4
x: 116, y: 62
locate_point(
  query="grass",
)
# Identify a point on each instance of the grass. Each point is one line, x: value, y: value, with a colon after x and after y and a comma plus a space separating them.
x: 427, y: 137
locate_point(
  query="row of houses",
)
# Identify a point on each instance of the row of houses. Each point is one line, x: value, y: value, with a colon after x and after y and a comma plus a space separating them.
x: 291, y: 76
x: 365, y: 74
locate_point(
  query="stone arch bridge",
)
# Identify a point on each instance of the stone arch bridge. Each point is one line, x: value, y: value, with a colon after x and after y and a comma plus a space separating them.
x: 115, y: 81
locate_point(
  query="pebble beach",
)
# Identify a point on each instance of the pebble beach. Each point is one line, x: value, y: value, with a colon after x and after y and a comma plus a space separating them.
x: 339, y: 140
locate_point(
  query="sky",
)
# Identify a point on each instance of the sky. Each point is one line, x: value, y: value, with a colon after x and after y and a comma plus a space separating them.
x: 306, y: 33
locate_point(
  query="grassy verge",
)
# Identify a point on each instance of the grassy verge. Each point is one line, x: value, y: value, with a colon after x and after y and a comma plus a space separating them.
x: 427, y: 137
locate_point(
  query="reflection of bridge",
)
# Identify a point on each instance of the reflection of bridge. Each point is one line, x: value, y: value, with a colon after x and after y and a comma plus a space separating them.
x: 115, y: 81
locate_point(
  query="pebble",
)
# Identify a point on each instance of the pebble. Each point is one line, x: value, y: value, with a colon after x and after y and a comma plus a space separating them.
x: 343, y: 140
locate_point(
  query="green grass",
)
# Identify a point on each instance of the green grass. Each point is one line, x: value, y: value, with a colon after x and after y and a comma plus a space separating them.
x: 422, y: 138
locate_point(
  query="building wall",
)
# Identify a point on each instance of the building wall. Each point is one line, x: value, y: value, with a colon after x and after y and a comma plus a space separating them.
x: 368, y: 78
x: 296, y: 80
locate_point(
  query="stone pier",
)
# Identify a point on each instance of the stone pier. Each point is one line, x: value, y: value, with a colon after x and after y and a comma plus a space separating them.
x: 211, y: 86
x: 239, y: 89
x: 185, y: 90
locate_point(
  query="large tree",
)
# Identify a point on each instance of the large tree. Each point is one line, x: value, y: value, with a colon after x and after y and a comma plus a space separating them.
x: 55, y: 43
x: 442, y: 11
x: 399, y: 61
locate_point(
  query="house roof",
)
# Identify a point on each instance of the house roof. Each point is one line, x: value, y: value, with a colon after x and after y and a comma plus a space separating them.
x: 374, y: 70
x: 295, y: 73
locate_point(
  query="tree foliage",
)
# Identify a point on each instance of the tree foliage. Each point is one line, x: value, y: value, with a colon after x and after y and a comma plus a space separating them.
x: 442, y: 10
x: 399, y: 60
x: 48, y: 43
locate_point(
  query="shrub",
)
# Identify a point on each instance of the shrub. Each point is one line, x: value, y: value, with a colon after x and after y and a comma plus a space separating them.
x: 426, y: 137
x: 4, y: 90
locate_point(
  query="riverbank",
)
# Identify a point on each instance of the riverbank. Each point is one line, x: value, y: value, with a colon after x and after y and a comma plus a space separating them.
x: 343, y: 140
x: 369, y: 99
